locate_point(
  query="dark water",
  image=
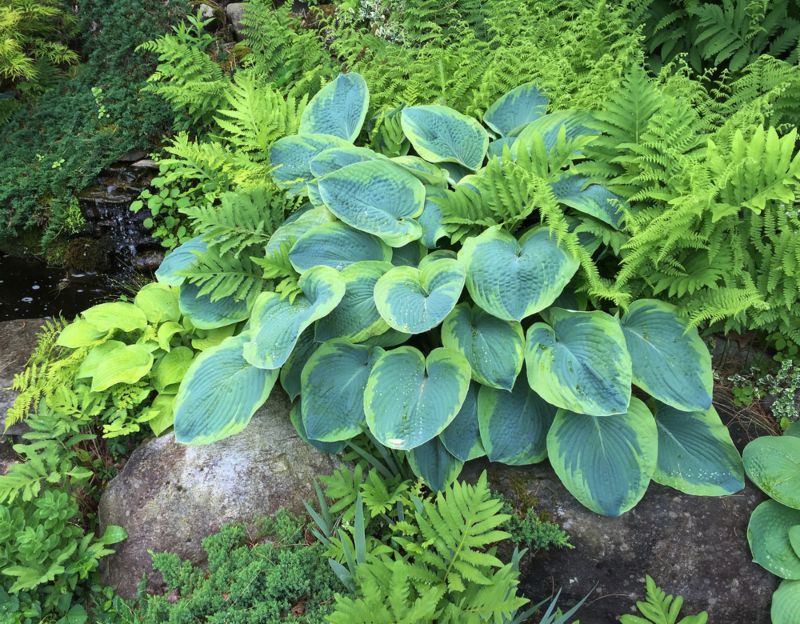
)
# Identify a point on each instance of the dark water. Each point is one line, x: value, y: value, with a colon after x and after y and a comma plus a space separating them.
x: 30, y: 289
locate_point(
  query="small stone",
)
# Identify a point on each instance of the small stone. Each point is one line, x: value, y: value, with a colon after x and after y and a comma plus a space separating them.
x: 235, y: 11
x: 145, y: 163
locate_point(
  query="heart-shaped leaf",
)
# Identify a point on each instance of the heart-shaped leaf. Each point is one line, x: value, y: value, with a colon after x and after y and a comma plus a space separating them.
x: 434, y: 464
x: 170, y: 369
x: 462, y: 438
x: 116, y: 315
x: 178, y: 260
x: 79, y: 333
x: 337, y: 157
x: 336, y: 245
x: 768, y: 536
x: 773, y: 464
x: 220, y: 393
x: 207, y: 314
x: 376, y: 197
x: 333, y: 383
x: 670, y: 361
x: 297, y: 225
x: 411, y: 399
x: 592, y: 199
x: 416, y: 300
x: 159, y: 303
x: 441, y: 134
x: 276, y: 323
x: 291, y: 158
x: 114, y: 362
x: 293, y: 368
x: 514, y: 424
x: 514, y: 110
x: 786, y: 603
x: 339, y: 108
x: 296, y: 418
x: 513, y: 279
x: 431, y: 218
x: 428, y: 173
x: 493, y: 347
x: 580, y: 363
x: 605, y: 462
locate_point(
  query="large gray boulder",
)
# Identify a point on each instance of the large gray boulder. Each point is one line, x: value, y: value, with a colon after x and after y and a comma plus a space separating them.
x: 17, y: 341
x: 169, y: 496
x: 235, y: 11
x: 693, y: 546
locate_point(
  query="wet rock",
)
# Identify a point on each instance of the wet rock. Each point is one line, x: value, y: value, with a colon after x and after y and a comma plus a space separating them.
x: 693, y: 546
x: 170, y: 496
x: 235, y: 11
x: 145, y: 163
x: 132, y: 156
x: 148, y: 260
x: 17, y: 341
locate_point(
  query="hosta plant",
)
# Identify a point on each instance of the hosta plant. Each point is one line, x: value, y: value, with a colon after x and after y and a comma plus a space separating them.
x: 773, y: 464
x: 406, y: 298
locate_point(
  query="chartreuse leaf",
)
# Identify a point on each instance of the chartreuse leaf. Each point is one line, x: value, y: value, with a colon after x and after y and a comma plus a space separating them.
x: 116, y: 315
x: 580, y: 362
x: 293, y: 368
x: 493, y: 347
x: 513, y: 279
x: 332, y: 387
x: 170, y: 369
x: 164, y: 407
x: 276, y: 323
x: 434, y: 464
x: 410, y: 399
x: 296, y: 417
x: 605, y: 462
x: 180, y: 259
x: 356, y: 317
x: 462, y: 438
x: 592, y: 199
x: 514, y: 110
x: 514, y: 424
x: 786, y: 603
x: 114, y: 362
x: 376, y: 197
x: 773, y: 464
x: 670, y: 361
x: 79, y: 333
x: 339, y: 108
x: 768, y: 536
x: 291, y: 158
x: 159, y: 303
x: 336, y: 245
x: 415, y: 300
x: 696, y: 454
x: 207, y: 314
x: 441, y: 134
x: 335, y: 158
x: 220, y: 393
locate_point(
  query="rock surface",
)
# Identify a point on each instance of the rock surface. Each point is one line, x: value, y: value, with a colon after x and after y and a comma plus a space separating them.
x: 693, y: 546
x: 169, y: 496
x: 235, y: 11
x: 17, y: 341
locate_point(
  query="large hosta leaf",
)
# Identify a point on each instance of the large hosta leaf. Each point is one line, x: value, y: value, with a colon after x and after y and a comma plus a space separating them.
x: 786, y: 603
x: 514, y: 110
x: 376, y: 197
x: 291, y: 158
x: 768, y: 536
x: 416, y: 300
x: 592, y: 199
x: 297, y: 225
x: 333, y: 383
x: 493, y: 347
x: 296, y: 418
x: 293, y: 368
x: 580, y: 363
x: 220, y: 393
x: 120, y: 315
x: 440, y: 134
x: 434, y: 464
x: 513, y: 279
x: 462, y: 438
x: 670, y: 361
x: 337, y: 157
x: 605, y: 462
x: 159, y: 303
x: 431, y: 218
x: 773, y: 464
x: 115, y: 362
x: 547, y: 129
x: 336, y: 245
x: 339, y: 108
x: 79, y: 333
x: 411, y: 399
x: 276, y: 323
x: 696, y: 454
x: 356, y: 317
x: 514, y: 424
x: 178, y: 260
x: 207, y: 314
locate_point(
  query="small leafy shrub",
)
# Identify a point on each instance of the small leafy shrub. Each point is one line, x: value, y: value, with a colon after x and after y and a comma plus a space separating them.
x: 535, y: 533
x: 659, y: 608
x: 773, y: 464
x: 780, y: 386
x: 456, y: 257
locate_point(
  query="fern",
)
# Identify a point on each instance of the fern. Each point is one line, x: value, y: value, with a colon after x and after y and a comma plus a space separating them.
x: 279, y: 270
x: 659, y: 608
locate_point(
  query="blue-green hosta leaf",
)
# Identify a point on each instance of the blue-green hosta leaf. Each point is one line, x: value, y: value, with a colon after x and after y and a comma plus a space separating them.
x: 514, y: 424
x: 337, y: 157
x: 773, y: 464
x: 462, y: 438
x: 296, y: 417
x: 605, y: 462
x: 409, y: 255
x: 428, y: 173
x: 514, y: 110
x: 793, y: 429
x: 207, y: 314
x: 356, y: 318
x: 441, y: 134
x: 497, y: 146
x: 434, y: 464
x: 121, y: 315
x: 114, y: 362
x: 336, y: 245
x: 339, y: 108
x: 388, y: 339
x: 592, y: 199
x: 670, y: 361
x: 411, y: 399
x: 180, y: 259
x: 456, y: 173
x: 276, y: 323
x: 548, y: 127
x: 159, y: 303
x: 290, y: 231
x: 333, y: 383
x: 416, y: 300
x: 431, y: 218
x: 794, y: 539
x: 786, y: 603
x: 696, y: 454
x: 291, y: 158
x: 293, y: 368
x: 220, y: 393
x: 580, y: 362
x: 494, y: 348
x: 376, y: 197
x: 513, y: 279
x: 768, y: 536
